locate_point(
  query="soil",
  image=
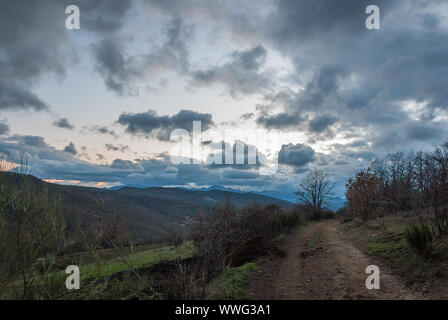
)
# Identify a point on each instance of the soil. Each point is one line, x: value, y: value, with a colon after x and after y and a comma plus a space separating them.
x: 250, y: 250
x: 322, y: 264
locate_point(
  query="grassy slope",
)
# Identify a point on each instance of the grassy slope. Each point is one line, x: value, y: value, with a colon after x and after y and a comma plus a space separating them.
x: 135, y: 261
x: 231, y: 284
x: 390, y: 245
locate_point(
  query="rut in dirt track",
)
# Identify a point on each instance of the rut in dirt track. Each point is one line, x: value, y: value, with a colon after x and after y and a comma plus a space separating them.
x: 321, y: 264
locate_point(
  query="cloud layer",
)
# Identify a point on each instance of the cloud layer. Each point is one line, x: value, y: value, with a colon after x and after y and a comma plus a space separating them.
x: 340, y: 94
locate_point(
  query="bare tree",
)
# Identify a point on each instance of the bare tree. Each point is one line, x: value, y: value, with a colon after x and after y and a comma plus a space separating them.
x: 32, y: 234
x: 315, y: 189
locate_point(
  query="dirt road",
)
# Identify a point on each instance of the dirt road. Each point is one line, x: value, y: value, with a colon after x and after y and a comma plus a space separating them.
x: 322, y: 264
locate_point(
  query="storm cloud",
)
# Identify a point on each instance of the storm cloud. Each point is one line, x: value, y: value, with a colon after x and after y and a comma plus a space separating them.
x: 122, y: 73
x: 297, y: 155
x: 27, y: 56
x: 240, y: 75
x: 71, y: 149
x: 63, y: 123
x: 4, y: 128
x: 339, y: 94
x: 150, y: 124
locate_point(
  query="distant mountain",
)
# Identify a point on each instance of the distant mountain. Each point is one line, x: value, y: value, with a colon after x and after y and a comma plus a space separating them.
x: 149, y: 213
x: 286, y: 196
x: 214, y: 187
x: 115, y: 188
x: 333, y: 203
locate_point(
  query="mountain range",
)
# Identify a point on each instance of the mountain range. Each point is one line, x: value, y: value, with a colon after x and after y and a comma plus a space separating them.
x: 150, y: 214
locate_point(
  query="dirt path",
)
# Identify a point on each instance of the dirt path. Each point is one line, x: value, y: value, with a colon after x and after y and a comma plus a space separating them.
x: 322, y: 264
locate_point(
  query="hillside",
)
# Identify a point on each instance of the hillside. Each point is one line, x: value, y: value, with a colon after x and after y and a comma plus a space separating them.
x: 150, y: 214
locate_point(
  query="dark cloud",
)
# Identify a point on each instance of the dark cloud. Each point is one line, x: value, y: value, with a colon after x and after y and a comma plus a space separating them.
x: 71, y: 148
x: 321, y: 88
x: 287, y: 119
x: 150, y: 124
x: 15, y: 95
x: 174, y: 54
x: 106, y: 17
x: 100, y: 130
x: 121, y: 72
x: 295, y: 22
x: 319, y: 94
x: 112, y: 147
x: 297, y: 155
x: 424, y: 131
x: 247, y: 116
x: 242, y: 23
x: 102, y: 17
x: 126, y: 165
x: 240, y: 175
x: 26, y: 55
x: 241, y: 75
x: 50, y: 163
x: 408, y: 136
x: 63, y: 123
x: 4, y: 128
x: 31, y: 141
x: 34, y: 148
x: 321, y: 123
x: 34, y: 43
x: 386, y: 89
x: 362, y: 79
x: 279, y: 121
x: 111, y: 64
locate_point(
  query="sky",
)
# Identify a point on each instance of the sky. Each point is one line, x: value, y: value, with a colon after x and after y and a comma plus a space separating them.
x: 97, y: 106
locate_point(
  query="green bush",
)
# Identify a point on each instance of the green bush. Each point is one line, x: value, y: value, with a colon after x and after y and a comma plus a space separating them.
x: 419, y: 237
x: 288, y: 220
x: 231, y: 283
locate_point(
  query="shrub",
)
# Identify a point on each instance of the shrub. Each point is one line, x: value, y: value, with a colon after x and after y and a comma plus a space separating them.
x: 328, y: 215
x: 258, y: 220
x: 317, y: 215
x: 419, y: 237
x: 347, y: 219
x: 364, y: 213
x: 175, y: 239
x: 186, y: 283
x: 288, y: 220
x: 440, y: 224
x: 216, y: 233
x: 32, y: 233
